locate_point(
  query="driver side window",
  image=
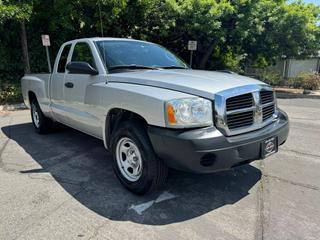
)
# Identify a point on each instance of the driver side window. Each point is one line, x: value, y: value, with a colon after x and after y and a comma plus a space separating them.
x: 82, y: 52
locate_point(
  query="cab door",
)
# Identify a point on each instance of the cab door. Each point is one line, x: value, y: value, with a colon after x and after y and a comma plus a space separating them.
x: 57, y: 83
x: 79, y: 113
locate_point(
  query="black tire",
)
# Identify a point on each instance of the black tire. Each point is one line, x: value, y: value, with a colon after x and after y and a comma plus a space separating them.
x: 154, y: 171
x: 43, y: 124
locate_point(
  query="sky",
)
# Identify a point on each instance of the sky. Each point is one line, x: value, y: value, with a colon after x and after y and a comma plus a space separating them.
x: 317, y: 2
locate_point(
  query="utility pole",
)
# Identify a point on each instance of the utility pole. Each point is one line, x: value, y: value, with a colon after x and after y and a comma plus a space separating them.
x: 24, y: 44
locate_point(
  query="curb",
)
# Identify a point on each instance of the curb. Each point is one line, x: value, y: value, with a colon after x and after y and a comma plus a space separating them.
x: 13, y: 107
x: 285, y: 95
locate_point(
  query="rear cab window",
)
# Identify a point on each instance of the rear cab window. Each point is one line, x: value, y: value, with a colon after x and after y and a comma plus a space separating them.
x: 63, y: 59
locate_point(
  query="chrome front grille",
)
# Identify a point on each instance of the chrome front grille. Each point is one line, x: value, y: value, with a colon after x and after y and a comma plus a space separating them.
x: 267, y: 102
x: 266, y: 97
x: 267, y: 112
x: 240, y: 120
x: 239, y: 102
x: 244, y: 109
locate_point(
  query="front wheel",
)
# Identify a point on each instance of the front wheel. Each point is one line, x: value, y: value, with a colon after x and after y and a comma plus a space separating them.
x: 134, y: 161
x: 41, y: 123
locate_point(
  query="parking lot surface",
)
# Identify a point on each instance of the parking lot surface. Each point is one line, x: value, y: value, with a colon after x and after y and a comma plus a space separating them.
x: 62, y: 186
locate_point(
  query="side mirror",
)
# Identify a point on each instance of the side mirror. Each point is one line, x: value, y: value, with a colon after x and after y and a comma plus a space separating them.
x: 80, y: 67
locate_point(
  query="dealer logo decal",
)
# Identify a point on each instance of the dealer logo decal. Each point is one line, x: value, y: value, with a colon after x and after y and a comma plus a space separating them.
x: 269, y: 147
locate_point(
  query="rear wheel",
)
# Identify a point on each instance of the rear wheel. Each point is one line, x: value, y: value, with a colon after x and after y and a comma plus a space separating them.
x: 41, y: 123
x: 134, y: 161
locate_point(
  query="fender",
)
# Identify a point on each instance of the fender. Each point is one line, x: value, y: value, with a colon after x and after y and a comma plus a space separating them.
x: 36, y: 83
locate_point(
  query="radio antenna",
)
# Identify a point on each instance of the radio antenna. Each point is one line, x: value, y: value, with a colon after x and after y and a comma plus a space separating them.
x: 101, y: 28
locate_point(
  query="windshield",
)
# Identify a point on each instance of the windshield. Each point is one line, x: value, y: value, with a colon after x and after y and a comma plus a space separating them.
x: 121, y: 54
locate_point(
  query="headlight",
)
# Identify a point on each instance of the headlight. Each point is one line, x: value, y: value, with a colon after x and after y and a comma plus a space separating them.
x: 189, y: 112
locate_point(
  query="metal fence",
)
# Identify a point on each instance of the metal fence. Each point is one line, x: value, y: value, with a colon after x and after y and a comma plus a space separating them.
x: 290, y: 68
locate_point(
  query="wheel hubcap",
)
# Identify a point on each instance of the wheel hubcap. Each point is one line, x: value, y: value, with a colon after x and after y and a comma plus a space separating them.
x: 129, y: 159
x: 35, y: 116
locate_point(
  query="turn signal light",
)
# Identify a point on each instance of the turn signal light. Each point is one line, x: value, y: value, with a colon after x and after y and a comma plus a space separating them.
x: 170, y: 114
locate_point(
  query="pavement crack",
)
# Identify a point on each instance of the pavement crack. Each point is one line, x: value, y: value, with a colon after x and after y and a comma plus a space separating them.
x: 5, y: 145
x: 301, y: 153
x: 261, y: 207
x: 293, y: 183
x: 97, y: 230
x: 311, y: 119
x: 2, y: 150
x: 55, y: 179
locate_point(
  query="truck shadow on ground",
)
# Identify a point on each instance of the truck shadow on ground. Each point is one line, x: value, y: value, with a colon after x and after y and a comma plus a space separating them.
x: 81, y: 165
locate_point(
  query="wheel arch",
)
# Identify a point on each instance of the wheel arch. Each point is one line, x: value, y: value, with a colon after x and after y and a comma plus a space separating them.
x: 116, y: 116
x: 31, y: 96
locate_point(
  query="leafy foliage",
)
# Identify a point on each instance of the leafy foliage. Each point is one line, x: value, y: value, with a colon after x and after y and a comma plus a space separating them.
x: 10, y: 93
x: 14, y: 10
x: 306, y: 81
x: 230, y: 33
x: 270, y: 77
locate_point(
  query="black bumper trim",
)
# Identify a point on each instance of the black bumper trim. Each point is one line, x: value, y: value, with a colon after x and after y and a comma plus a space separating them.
x: 207, y: 150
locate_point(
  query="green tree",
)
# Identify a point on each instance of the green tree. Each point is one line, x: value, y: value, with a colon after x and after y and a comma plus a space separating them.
x: 16, y: 13
x: 14, y: 10
x: 231, y: 33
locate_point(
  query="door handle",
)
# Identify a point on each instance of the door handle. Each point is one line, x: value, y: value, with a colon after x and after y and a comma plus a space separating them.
x: 68, y: 84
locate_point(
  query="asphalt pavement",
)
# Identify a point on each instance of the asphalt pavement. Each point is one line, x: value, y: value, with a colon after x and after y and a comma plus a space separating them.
x: 62, y: 186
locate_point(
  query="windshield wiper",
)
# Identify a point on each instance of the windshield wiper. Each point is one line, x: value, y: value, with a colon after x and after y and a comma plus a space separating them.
x: 173, y: 67
x: 132, y: 66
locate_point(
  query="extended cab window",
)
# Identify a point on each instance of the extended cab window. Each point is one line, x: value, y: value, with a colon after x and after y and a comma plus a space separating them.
x: 82, y: 52
x: 63, y: 59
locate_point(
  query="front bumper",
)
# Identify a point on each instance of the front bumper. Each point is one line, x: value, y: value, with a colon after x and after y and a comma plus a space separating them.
x: 207, y: 150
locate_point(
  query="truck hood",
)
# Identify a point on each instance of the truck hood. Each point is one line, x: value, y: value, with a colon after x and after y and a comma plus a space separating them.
x: 196, y: 82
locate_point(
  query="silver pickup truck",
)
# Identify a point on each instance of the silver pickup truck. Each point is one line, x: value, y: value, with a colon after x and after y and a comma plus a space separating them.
x: 153, y: 112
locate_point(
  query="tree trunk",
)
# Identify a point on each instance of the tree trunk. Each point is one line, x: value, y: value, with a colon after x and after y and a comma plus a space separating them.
x: 206, y: 56
x: 24, y: 43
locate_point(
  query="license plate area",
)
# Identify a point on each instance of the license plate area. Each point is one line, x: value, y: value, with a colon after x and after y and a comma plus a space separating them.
x: 269, y: 146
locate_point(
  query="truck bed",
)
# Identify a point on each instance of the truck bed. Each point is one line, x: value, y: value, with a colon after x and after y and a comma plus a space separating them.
x: 39, y: 84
